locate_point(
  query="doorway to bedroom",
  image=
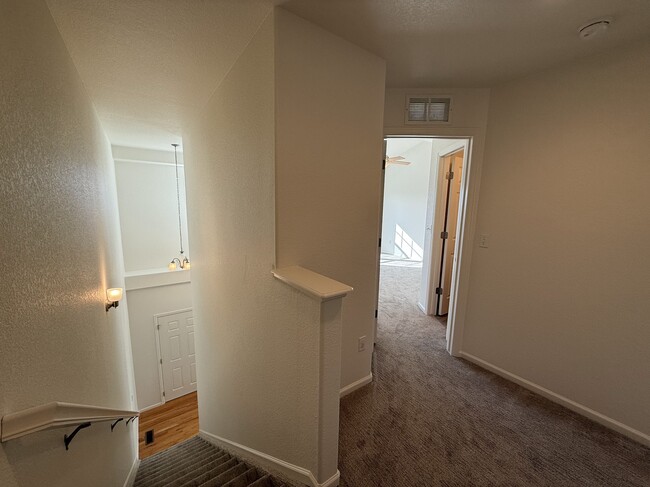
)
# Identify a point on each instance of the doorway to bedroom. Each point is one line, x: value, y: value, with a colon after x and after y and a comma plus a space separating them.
x: 422, y: 196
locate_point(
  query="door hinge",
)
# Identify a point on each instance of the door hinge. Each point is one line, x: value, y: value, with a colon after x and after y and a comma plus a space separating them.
x: 444, y: 235
x: 160, y: 361
x: 439, y: 291
x: 376, y: 313
x: 379, y: 242
x: 163, y: 393
x: 383, y: 163
x: 158, y: 326
x: 449, y: 175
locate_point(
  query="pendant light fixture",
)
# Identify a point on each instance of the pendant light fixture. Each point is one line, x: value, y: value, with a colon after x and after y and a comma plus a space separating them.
x: 183, y: 262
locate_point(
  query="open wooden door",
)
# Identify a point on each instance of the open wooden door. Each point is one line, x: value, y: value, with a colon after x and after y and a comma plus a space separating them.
x: 454, y: 168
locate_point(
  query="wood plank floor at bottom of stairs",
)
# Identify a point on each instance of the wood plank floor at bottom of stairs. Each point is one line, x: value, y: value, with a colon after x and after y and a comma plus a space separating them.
x: 173, y: 422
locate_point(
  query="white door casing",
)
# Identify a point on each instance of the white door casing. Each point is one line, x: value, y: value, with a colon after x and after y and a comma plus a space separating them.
x: 381, y: 221
x: 425, y: 301
x: 177, y: 359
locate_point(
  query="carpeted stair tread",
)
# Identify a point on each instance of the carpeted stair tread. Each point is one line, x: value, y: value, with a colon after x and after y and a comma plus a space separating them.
x: 264, y: 482
x: 201, y: 469
x: 162, y: 458
x: 227, y: 476
x: 199, y: 463
x: 190, y: 445
x: 215, y: 472
x: 171, y: 451
x: 187, y: 471
x: 186, y: 457
x: 243, y: 480
x: 175, y: 468
x: 183, y: 459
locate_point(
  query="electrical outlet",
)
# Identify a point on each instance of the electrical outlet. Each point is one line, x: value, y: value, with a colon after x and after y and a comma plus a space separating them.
x: 483, y: 240
x: 362, y: 343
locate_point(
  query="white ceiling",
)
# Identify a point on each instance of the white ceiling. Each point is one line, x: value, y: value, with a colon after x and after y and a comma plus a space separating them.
x: 473, y: 43
x: 150, y: 65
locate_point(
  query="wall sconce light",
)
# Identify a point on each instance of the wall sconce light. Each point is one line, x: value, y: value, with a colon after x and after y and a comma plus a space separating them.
x: 113, y: 296
x: 176, y: 262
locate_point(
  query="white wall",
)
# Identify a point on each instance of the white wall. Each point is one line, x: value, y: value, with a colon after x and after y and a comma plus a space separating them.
x: 406, y: 191
x: 144, y: 303
x: 560, y: 297
x: 60, y: 242
x: 328, y: 167
x: 146, y: 192
x: 257, y: 339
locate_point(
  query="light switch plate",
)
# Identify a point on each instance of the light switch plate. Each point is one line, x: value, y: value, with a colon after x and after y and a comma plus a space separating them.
x: 362, y: 343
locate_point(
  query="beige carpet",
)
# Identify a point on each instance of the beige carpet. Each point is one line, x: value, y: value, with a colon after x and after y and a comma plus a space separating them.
x: 429, y: 419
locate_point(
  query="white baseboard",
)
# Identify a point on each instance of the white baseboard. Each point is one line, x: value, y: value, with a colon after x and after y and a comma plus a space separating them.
x: 151, y: 407
x: 293, y: 472
x: 356, y: 385
x: 333, y: 481
x: 422, y: 308
x: 130, y: 479
x: 564, y: 401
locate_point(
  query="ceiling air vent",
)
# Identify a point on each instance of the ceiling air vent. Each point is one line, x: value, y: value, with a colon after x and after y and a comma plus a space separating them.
x: 427, y: 109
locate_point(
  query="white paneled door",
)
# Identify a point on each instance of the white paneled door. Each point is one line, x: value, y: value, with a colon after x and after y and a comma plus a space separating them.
x: 177, y: 356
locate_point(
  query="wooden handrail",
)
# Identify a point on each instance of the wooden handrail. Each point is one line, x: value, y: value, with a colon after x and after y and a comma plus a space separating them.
x: 56, y: 415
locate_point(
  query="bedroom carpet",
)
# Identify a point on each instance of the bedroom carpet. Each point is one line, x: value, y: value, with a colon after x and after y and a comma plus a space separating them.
x: 429, y: 419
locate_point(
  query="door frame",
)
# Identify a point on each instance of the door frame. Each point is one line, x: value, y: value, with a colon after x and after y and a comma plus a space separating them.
x: 156, y: 330
x: 468, y: 212
x: 382, y: 187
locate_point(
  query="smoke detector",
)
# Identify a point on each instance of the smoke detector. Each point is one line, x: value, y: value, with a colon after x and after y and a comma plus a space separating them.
x: 595, y: 28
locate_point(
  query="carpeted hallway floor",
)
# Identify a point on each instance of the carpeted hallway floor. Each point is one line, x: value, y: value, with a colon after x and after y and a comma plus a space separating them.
x: 429, y: 419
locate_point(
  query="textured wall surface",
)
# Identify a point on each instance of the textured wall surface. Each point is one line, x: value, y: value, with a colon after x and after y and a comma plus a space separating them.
x: 257, y: 339
x: 560, y: 297
x: 328, y: 165
x: 60, y: 248
x: 145, y: 95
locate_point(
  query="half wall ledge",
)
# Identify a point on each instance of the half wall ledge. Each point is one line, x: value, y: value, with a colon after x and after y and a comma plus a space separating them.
x: 311, y: 283
x: 329, y: 295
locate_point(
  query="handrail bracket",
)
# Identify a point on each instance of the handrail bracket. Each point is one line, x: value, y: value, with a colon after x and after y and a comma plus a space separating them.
x: 67, y: 439
x: 116, y: 421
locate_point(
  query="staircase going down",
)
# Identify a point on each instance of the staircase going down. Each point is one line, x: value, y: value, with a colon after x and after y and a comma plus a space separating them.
x: 198, y: 463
